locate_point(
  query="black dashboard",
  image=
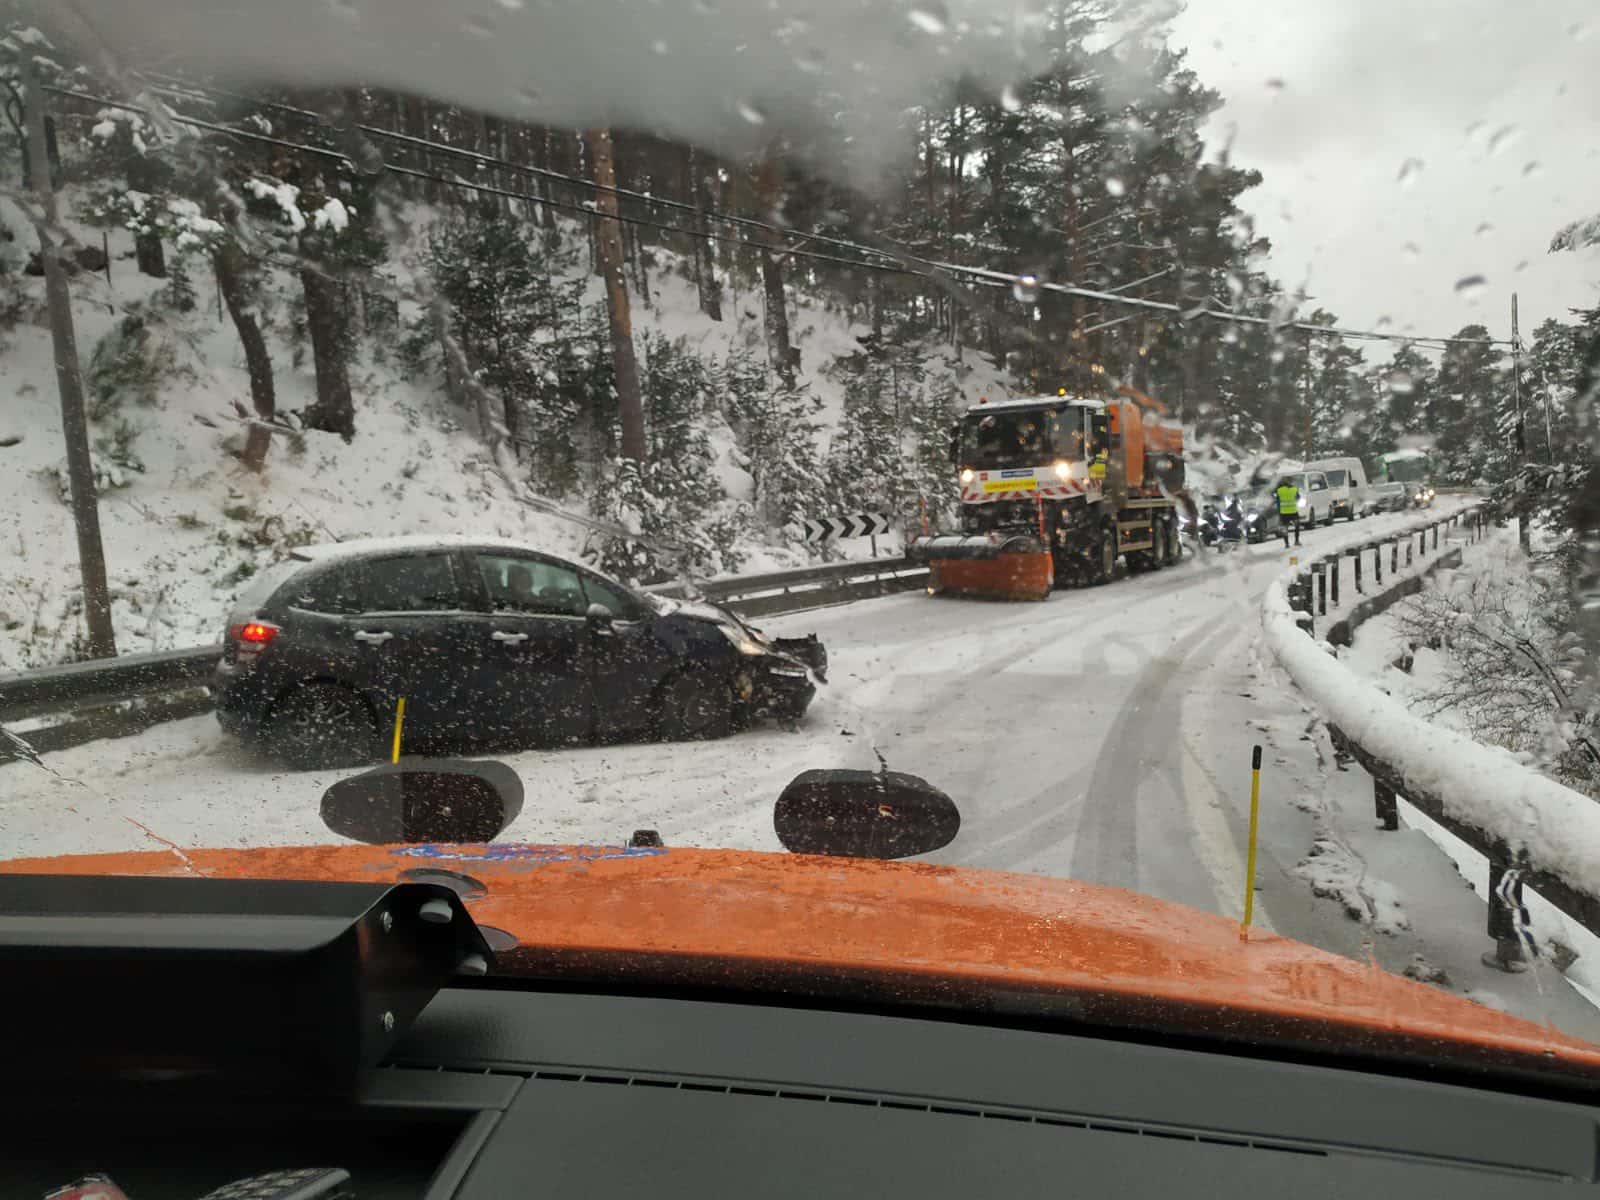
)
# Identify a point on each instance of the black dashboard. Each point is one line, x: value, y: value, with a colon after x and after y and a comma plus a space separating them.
x: 496, y: 1093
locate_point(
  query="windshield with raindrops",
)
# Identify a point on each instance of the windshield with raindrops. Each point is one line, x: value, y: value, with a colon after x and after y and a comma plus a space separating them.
x: 1164, y: 430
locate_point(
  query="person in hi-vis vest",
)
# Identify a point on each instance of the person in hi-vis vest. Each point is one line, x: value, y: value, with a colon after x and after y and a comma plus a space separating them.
x: 1288, y: 510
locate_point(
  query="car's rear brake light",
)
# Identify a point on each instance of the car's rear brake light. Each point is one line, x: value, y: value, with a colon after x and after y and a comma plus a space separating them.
x: 250, y: 639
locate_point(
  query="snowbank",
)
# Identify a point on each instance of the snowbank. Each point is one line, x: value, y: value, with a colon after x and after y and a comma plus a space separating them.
x: 1478, y: 785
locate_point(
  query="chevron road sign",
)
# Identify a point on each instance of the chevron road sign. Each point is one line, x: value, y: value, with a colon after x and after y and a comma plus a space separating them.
x: 860, y: 525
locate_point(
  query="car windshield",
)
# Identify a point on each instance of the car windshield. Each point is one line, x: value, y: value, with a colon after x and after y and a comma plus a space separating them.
x: 667, y: 406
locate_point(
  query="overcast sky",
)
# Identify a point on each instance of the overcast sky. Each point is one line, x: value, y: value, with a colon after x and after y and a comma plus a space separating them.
x: 1498, y: 103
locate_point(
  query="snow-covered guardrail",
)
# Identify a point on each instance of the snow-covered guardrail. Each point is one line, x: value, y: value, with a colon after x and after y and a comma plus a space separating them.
x: 58, y: 707
x: 1534, y: 832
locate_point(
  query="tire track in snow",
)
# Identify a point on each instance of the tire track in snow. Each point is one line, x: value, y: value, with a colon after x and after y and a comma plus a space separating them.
x: 1103, y: 825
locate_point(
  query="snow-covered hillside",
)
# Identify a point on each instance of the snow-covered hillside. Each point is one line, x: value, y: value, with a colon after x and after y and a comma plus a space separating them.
x: 184, y: 532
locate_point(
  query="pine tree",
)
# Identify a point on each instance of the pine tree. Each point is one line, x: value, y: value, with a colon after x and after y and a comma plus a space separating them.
x: 511, y: 320
x: 1464, y: 408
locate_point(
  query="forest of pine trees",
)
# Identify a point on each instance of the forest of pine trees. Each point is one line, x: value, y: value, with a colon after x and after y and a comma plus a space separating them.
x: 1062, y: 179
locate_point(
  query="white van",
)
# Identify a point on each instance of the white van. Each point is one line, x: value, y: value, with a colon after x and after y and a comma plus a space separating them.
x: 1347, y: 487
x: 1313, y: 488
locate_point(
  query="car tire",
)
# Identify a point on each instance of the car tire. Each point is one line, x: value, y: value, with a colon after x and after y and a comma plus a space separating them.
x: 319, y: 726
x: 691, y: 708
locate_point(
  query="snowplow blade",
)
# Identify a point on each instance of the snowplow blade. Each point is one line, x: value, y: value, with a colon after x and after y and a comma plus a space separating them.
x: 996, y: 566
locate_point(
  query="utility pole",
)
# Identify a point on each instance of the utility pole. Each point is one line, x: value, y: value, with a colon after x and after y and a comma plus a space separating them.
x: 1305, y: 374
x: 1522, y: 431
x: 608, y: 253
x: 74, y: 423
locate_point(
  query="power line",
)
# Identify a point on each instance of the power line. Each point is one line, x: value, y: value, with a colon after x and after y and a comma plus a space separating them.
x: 585, y: 210
x: 489, y: 189
x: 929, y: 268
x: 575, y: 181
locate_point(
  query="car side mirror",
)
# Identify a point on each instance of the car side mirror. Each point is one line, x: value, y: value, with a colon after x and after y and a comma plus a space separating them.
x: 424, y: 800
x: 864, y: 814
x: 600, y: 618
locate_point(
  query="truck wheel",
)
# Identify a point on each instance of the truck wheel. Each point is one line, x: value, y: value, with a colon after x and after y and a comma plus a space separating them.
x: 1104, y: 565
x: 1158, y: 536
x: 1174, y: 542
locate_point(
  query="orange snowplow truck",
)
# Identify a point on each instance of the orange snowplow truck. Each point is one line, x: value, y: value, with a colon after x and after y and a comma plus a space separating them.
x: 1054, y: 490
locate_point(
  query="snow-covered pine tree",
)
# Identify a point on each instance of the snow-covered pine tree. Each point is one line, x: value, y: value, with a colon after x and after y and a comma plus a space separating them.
x: 513, y: 317
x: 776, y: 430
x: 672, y: 500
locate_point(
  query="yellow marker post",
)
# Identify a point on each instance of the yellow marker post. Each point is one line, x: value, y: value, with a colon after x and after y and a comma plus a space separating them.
x: 399, y: 720
x: 1250, y: 864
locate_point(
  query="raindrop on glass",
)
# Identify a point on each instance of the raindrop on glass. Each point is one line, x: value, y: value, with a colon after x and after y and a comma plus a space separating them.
x: 1501, y: 138
x: 1230, y: 334
x: 1409, y: 170
x: 658, y: 46
x: 1025, y: 288
x: 704, y: 7
x: 1274, y: 85
x: 1532, y: 170
x: 528, y: 96
x: 511, y: 5
x: 1385, y: 321
x: 1115, y: 186
x: 478, y: 28
x: 1400, y: 382
x: 1483, y: 230
x: 345, y: 9
x: 1235, y: 285
x: 930, y: 17
x: 1412, y: 252
x: 1010, y: 100
x: 810, y: 61
x: 1470, y: 287
x: 749, y: 112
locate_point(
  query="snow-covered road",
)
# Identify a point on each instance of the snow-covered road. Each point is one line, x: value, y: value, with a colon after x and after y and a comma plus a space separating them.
x: 1101, y: 734
x: 1104, y: 734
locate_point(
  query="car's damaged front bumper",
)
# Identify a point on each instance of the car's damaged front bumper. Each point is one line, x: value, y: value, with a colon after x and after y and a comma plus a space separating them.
x: 782, y: 682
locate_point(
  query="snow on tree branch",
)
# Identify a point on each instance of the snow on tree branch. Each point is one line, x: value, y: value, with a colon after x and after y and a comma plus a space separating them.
x: 1577, y: 235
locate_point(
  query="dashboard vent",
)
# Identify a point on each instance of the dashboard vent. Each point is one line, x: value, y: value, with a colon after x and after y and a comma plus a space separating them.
x: 933, y: 1107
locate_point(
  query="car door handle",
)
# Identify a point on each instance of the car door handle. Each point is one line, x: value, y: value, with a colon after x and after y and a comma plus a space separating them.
x: 509, y: 639
x: 373, y: 639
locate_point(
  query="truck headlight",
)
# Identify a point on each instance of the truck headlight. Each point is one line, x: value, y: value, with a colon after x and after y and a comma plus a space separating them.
x: 1063, y: 469
x: 966, y: 474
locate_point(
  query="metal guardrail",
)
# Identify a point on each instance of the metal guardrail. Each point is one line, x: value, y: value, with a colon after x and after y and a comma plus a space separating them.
x: 82, y: 702
x: 1510, y: 869
x: 1320, y: 582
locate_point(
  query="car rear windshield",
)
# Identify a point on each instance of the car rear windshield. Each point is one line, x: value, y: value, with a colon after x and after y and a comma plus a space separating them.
x: 261, y: 589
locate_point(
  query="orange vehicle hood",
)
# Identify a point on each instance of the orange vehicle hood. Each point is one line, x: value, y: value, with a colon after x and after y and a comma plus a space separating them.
x: 913, y: 934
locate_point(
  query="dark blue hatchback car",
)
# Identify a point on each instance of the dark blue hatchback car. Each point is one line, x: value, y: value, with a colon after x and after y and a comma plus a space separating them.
x: 492, y: 645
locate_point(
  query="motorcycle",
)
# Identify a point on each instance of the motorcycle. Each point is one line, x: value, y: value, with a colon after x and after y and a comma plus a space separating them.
x: 1222, y: 526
